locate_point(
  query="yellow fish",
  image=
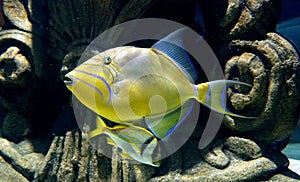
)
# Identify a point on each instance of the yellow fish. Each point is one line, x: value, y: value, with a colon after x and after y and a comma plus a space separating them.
x: 145, y: 92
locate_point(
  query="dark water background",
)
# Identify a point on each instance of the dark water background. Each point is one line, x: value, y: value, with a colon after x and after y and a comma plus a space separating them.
x: 290, y: 9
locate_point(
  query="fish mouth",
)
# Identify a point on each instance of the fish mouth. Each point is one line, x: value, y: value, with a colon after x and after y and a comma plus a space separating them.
x: 68, y: 80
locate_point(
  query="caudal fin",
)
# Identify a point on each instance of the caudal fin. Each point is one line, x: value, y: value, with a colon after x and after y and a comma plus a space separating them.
x: 213, y: 95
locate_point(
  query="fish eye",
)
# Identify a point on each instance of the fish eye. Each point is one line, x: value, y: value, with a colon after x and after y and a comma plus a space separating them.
x: 107, y: 60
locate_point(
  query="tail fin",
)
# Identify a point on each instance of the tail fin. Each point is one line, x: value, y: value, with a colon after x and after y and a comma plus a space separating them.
x: 213, y: 95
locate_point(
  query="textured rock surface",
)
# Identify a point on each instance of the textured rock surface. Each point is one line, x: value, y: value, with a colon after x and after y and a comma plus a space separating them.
x: 42, y: 40
x: 72, y: 158
x: 19, y: 158
x: 74, y: 24
x: 234, y: 19
x: 8, y: 173
x: 274, y: 92
x: 15, y: 127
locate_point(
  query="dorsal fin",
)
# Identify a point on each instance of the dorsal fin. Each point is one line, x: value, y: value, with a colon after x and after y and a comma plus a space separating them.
x: 173, y: 46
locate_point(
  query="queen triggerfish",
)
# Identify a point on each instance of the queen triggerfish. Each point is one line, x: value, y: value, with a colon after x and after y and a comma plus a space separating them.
x: 144, y: 92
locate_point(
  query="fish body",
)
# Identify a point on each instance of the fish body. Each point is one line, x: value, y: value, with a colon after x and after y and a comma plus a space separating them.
x: 144, y: 91
x: 129, y: 82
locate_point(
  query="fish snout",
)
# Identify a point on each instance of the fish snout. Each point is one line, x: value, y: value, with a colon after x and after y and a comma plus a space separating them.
x: 68, y: 80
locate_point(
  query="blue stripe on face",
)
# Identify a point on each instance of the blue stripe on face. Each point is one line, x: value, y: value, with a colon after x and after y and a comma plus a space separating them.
x: 91, y: 86
x: 99, y: 78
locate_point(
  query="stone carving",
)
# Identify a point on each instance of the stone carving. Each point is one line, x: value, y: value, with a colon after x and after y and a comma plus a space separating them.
x: 41, y: 40
x: 269, y: 73
x: 74, y: 24
x: 274, y: 69
x: 14, y: 65
x: 24, y: 66
x: 72, y: 158
x: 233, y: 19
x: 15, y: 62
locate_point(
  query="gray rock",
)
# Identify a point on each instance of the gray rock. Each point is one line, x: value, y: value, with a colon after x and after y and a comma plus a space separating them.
x: 72, y: 158
x: 19, y: 19
x: 245, y: 148
x: 15, y: 126
x: 67, y: 161
x: 26, y: 163
x: 8, y: 173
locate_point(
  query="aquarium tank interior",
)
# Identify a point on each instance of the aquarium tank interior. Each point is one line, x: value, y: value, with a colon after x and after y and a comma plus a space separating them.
x: 148, y: 90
